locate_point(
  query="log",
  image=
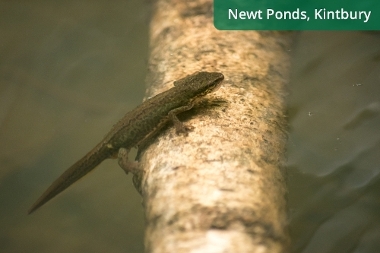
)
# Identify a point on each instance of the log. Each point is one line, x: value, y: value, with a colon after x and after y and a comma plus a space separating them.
x: 222, y: 188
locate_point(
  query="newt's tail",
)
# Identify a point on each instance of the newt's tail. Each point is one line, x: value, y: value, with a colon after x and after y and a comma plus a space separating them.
x: 73, y: 174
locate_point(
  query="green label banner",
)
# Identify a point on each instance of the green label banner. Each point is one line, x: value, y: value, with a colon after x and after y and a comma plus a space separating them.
x: 297, y: 14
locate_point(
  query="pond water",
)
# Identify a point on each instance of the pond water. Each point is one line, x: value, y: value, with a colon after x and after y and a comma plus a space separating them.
x: 52, y: 52
x: 334, y: 142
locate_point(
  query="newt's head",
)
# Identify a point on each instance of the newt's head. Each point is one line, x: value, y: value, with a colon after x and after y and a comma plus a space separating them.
x: 200, y: 83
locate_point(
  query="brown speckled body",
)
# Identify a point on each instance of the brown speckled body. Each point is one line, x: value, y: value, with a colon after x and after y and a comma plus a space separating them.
x: 135, y: 126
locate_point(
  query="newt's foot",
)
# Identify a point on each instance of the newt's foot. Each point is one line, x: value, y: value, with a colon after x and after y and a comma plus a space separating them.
x: 183, y: 129
x: 126, y: 165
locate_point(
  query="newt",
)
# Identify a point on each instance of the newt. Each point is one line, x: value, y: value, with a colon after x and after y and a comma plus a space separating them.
x: 136, y: 127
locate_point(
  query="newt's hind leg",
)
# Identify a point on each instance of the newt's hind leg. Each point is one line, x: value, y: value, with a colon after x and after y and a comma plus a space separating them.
x: 126, y: 165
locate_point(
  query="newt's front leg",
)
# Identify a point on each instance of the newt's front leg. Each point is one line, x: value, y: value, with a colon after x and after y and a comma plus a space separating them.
x: 132, y: 167
x: 180, y: 127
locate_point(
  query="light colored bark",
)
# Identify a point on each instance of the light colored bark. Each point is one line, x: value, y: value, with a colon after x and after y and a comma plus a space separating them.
x: 222, y: 187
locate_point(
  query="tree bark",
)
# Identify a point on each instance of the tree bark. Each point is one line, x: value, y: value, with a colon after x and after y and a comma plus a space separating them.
x: 222, y: 187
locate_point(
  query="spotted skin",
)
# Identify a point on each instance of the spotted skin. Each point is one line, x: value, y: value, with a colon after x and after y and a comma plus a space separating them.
x: 136, y: 126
